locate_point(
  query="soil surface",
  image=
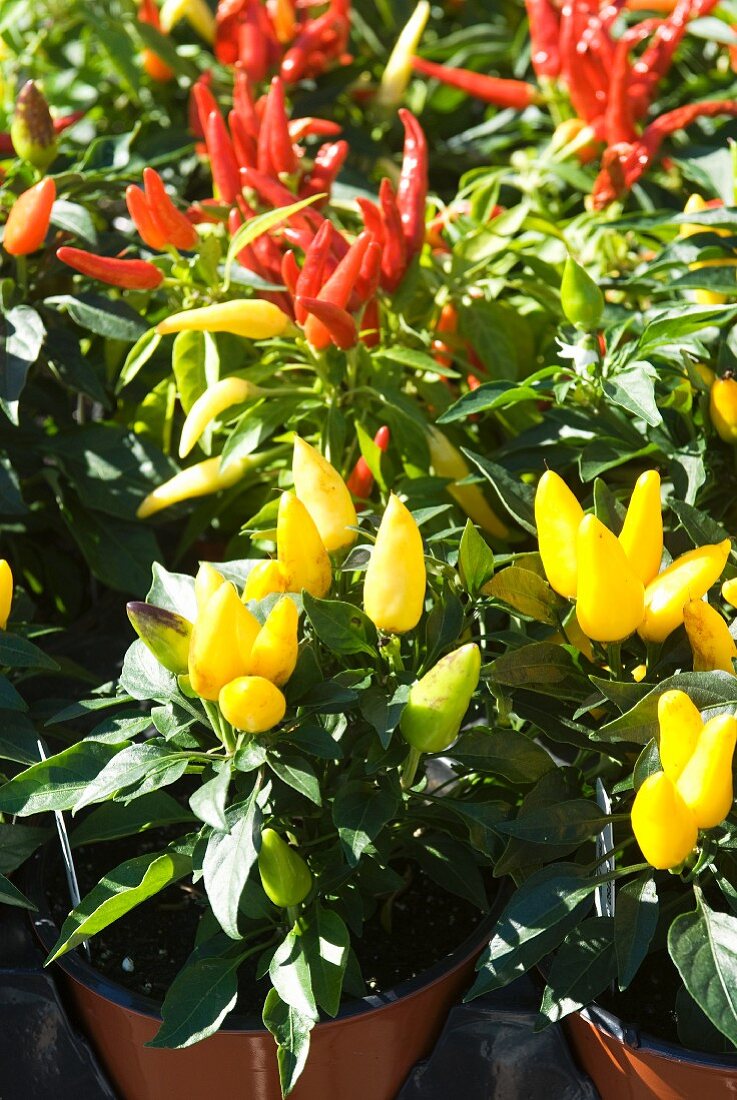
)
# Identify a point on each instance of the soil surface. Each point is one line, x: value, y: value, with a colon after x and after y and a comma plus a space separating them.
x: 649, y: 1002
x: 144, y: 950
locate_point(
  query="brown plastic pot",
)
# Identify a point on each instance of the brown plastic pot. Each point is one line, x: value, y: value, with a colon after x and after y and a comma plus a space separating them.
x: 364, y: 1054
x: 626, y: 1064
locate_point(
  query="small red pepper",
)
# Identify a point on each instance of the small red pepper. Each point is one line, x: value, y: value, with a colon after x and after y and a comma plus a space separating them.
x: 290, y: 272
x: 276, y: 194
x: 372, y: 218
x: 491, y: 89
x: 29, y: 218
x: 394, y: 259
x: 371, y: 324
x: 223, y: 161
x: 544, y: 36
x: 311, y: 277
x: 202, y: 104
x: 178, y: 230
x: 128, y: 274
x: 275, y: 151
x: 143, y: 219
x: 360, y: 481
x: 244, y: 145
x: 300, y: 128
x: 413, y: 183
x: 337, y: 290
x: 333, y: 324
x: 329, y: 160
x: 253, y: 52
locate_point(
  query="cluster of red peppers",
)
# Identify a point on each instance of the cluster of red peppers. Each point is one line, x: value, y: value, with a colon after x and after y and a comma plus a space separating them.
x: 610, y: 91
x: 276, y: 36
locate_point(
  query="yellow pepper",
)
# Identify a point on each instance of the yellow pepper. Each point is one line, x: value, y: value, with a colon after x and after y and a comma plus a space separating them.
x: 395, y: 581
x: 252, y: 704
x: 610, y: 597
x: 197, y: 14
x: 689, y: 577
x: 558, y: 516
x: 711, y: 643
x: 196, y: 481
x: 398, y: 69
x: 6, y: 592
x: 705, y: 784
x: 264, y: 578
x: 723, y: 408
x: 663, y: 825
x: 729, y: 591
x: 680, y: 726
x: 437, y: 703
x: 694, y: 205
x: 302, y: 556
x: 216, y: 399
x: 221, y: 644
x: 325, y: 496
x: 285, y: 876
x: 641, y: 536
x: 250, y: 317
x: 639, y: 672
x: 164, y: 632
x: 448, y: 462
x: 206, y: 584
x: 274, y: 653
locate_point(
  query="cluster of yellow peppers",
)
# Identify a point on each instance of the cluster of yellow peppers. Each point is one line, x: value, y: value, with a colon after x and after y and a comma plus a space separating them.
x: 615, y: 581
x: 694, y: 788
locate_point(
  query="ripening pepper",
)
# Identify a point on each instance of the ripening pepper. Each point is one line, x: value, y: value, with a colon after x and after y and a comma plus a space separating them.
x: 325, y: 495
x: 689, y: 577
x: 264, y: 578
x: 275, y: 650
x: 197, y: 14
x: 165, y: 633
x: 723, y: 408
x: 196, y: 481
x: 6, y: 592
x: 215, y: 400
x: 395, y: 580
x: 221, y: 644
x: 580, y: 297
x: 729, y: 591
x: 712, y: 645
x: 250, y: 317
x: 694, y: 205
x: 29, y: 219
x: 127, y: 274
x: 663, y: 825
x: 641, y: 536
x: 285, y: 876
x: 32, y: 128
x: 302, y: 557
x: 438, y: 702
x: 398, y: 69
x: 252, y: 704
x: 705, y: 784
x: 448, y: 462
x: 610, y: 596
x: 558, y: 516
x: 206, y: 584
x: 680, y: 726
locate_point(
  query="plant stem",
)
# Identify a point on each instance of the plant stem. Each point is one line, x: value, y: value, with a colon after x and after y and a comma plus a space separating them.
x: 409, y: 768
x: 614, y: 655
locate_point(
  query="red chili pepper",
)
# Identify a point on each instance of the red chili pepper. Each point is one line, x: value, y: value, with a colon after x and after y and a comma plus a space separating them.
x: 29, y: 218
x: 311, y: 277
x: 657, y: 59
x: 276, y: 194
x: 332, y: 324
x: 447, y: 325
x: 275, y: 152
x: 243, y: 102
x: 371, y: 324
x: 584, y: 91
x: 300, y: 238
x: 618, y: 123
x: 372, y: 218
x: 337, y: 290
x: 223, y: 161
x: 490, y: 89
x: 394, y: 258
x: 143, y: 219
x: 367, y: 282
x: 360, y: 481
x: 177, y: 229
x: 128, y: 274
x: 300, y: 128
x: 65, y: 121
x: 544, y: 35
x: 202, y: 104
x: 321, y: 39
x: 329, y: 160
x: 413, y: 183
x: 156, y: 68
x: 290, y: 272
x: 253, y: 53
x: 227, y: 19
x: 244, y: 145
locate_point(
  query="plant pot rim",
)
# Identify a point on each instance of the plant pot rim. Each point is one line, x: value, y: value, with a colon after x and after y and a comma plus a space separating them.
x: 76, y: 967
x: 631, y: 1036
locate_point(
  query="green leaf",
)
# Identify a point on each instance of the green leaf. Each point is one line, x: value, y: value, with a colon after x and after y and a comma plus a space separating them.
x: 208, y: 801
x: 74, y: 219
x: 17, y: 652
x: 583, y: 967
x: 503, y: 752
x: 18, y: 738
x: 291, y: 1030
x: 635, y: 921
x: 17, y: 843
x: 56, y: 783
x: 121, y: 890
x: 516, y: 496
x: 540, y: 666
x: 229, y: 859
x: 341, y: 627
x: 528, y: 594
x: 297, y: 773
x: 475, y: 560
x: 144, y: 678
x: 570, y: 822
x: 703, y: 946
x: 11, y: 895
x: 326, y: 942
x: 633, y: 390
x: 256, y: 227
x: 491, y: 395
x: 196, y: 365
x: 119, y: 552
x: 22, y: 335
x: 291, y: 975
x: 173, y: 591
x: 712, y: 692
x: 143, y: 350
x: 107, y: 317
x: 360, y: 812
x: 142, y: 768
x: 116, y: 819
x: 384, y: 713
x: 202, y: 994
x: 449, y: 863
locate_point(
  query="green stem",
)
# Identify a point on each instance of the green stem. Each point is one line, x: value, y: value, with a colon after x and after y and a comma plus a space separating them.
x: 409, y: 768
x: 614, y: 655
x: 392, y: 651
x: 652, y: 656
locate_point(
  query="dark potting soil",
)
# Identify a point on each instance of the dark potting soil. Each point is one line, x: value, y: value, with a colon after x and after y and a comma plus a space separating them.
x: 649, y: 1003
x: 144, y: 949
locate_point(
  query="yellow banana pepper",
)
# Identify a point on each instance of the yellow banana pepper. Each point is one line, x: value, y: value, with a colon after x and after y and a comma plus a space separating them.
x: 196, y: 12
x: 610, y: 597
x: 302, y: 557
x: 395, y: 580
x: 6, y: 592
x: 680, y: 726
x: 723, y: 408
x: 275, y: 650
x: 705, y: 784
x: 448, y: 462
x: 264, y: 578
x: 663, y: 825
x: 558, y: 516
x: 641, y: 536
x: 689, y: 577
x: 252, y: 704
x: 206, y: 584
x: 221, y: 644
x: 729, y: 591
x: 196, y: 481
x: 711, y: 643
x: 215, y: 400
x: 325, y: 496
x: 250, y: 317
x: 398, y: 69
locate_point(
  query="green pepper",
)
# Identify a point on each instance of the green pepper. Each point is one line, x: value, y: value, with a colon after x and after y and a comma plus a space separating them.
x: 437, y: 703
x: 285, y: 876
x: 165, y: 633
x: 580, y: 297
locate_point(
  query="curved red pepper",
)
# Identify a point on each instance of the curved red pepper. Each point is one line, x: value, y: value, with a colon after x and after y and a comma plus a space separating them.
x: 128, y: 274
x: 177, y: 229
x: 491, y: 89
x: 333, y: 324
x: 148, y: 228
x: 413, y: 183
